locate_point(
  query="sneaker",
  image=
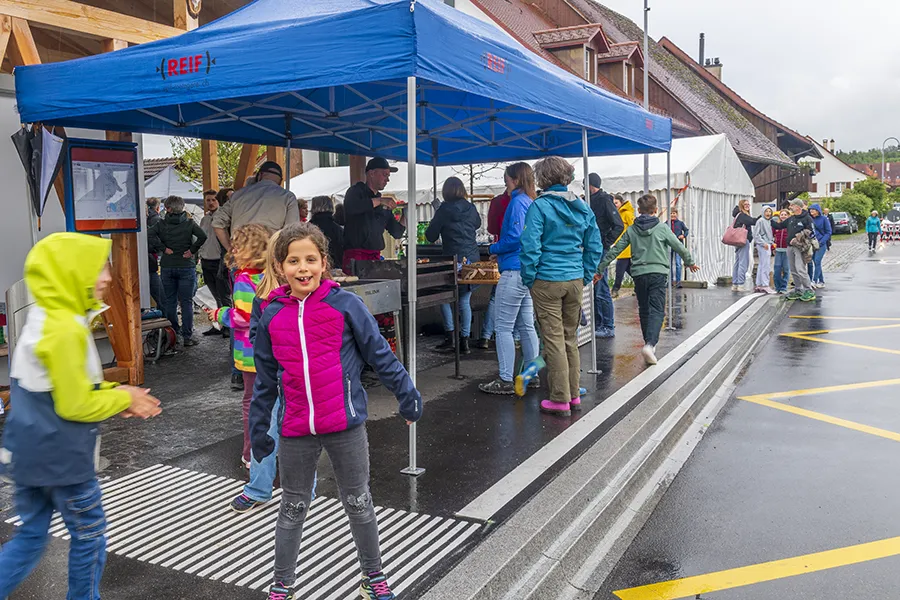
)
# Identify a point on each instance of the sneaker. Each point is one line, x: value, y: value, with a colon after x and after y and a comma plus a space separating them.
x: 237, y: 382
x: 375, y: 587
x: 447, y: 343
x: 190, y: 342
x: 243, y: 503
x: 535, y: 383
x: 575, y: 404
x: 793, y: 295
x: 605, y: 332
x: 210, y: 332
x: 821, y: 285
x: 768, y: 290
x: 649, y: 354
x: 245, y: 463
x: 498, y: 387
x: 556, y: 408
x: 735, y: 288
x: 808, y: 296
x: 279, y: 591
x: 614, y: 293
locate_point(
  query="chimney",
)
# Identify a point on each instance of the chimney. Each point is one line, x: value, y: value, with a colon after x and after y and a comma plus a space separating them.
x: 714, y: 66
x: 702, y: 48
x: 831, y: 146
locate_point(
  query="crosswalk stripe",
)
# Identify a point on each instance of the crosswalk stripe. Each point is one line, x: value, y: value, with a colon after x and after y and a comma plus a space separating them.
x: 180, y: 519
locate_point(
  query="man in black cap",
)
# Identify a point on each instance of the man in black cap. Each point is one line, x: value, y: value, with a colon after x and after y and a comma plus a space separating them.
x: 611, y: 227
x: 368, y: 215
x: 264, y: 202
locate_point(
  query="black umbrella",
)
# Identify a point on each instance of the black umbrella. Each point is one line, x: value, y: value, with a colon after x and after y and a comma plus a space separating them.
x: 39, y: 171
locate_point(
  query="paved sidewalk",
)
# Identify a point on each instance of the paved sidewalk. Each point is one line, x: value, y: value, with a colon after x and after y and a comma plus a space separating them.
x: 844, y: 253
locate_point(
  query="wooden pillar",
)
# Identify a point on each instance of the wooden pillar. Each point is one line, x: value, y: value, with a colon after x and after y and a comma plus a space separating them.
x: 210, y: 160
x: 296, y: 161
x: 246, y: 164
x: 275, y: 153
x: 184, y: 18
x: 357, y: 169
x: 123, y: 319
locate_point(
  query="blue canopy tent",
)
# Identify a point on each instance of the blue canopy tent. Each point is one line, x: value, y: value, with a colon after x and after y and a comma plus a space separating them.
x: 403, y: 79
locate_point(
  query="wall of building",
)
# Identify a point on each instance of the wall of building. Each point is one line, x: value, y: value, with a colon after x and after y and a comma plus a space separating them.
x: 831, y: 170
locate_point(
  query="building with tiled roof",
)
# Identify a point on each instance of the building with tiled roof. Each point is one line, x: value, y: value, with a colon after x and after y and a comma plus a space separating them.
x: 696, y: 105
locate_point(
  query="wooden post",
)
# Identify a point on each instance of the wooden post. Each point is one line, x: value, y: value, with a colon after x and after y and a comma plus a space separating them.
x: 210, y: 161
x: 5, y: 31
x: 357, y: 169
x: 246, y: 164
x: 123, y: 319
x: 184, y: 17
x: 276, y: 153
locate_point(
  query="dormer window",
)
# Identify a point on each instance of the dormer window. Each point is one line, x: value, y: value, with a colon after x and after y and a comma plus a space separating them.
x: 576, y: 47
x: 621, y: 65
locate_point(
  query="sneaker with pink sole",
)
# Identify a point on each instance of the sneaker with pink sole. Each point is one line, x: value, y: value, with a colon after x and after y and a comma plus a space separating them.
x: 556, y: 408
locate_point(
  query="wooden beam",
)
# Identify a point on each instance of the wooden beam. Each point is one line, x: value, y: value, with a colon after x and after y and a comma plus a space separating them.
x: 23, y: 50
x: 357, y: 169
x: 210, y: 164
x: 5, y: 31
x: 79, y: 17
x: 276, y: 153
x: 113, y: 45
x: 183, y: 17
x: 246, y: 164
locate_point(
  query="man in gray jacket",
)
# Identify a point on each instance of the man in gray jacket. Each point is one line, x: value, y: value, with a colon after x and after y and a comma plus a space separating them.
x: 265, y: 202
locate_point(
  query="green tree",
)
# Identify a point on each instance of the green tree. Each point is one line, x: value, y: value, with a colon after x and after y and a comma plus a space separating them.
x: 875, y: 190
x: 873, y: 155
x: 893, y: 197
x: 189, y: 155
x: 857, y: 204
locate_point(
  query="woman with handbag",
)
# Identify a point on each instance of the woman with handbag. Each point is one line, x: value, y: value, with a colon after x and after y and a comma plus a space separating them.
x: 742, y: 220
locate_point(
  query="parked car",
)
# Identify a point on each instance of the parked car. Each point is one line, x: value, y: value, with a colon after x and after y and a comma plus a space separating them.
x: 844, y: 223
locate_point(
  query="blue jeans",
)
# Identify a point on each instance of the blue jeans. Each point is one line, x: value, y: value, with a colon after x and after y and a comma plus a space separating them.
x: 514, y: 312
x: 741, y: 264
x: 82, y: 513
x: 815, y: 267
x: 465, y: 312
x: 262, y: 474
x: 178, y: 284
x: 603, y: 305
x: 675, y: 260
x: 487, y: 327
x: 782, y: 271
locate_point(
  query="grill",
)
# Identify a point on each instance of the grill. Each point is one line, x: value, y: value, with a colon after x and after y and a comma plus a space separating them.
x: 436, y: 284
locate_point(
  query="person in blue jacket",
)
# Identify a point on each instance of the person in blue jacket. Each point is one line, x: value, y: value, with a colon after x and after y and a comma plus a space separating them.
x: 822, y: 228
x: 561, y: 249
x: 873, y: 228
x: 514, y: 309
x: 456, y: 222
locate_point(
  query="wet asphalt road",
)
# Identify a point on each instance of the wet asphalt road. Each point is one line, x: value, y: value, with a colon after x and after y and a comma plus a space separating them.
x: 766, y: 484
x: 467, y: 442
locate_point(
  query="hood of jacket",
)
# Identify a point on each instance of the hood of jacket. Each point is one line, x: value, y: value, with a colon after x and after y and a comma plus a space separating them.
x: 173, y: 219
x: 817, y: 208
x: 568, y: 207
x: 627, y: 210
x: 645, y: 223
x: 61, y: 271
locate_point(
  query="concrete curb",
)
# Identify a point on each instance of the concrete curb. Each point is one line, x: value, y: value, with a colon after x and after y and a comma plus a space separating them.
x: 565, y: 540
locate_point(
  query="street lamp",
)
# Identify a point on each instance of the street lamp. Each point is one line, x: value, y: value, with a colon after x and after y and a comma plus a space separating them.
x: 882, y: 154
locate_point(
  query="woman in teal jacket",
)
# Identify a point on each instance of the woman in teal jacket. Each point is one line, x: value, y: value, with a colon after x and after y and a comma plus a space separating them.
x: 560, y: 252
x: 873, y: 228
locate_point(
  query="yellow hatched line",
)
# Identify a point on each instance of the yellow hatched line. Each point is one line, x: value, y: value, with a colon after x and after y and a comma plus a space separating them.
x: 821, y: 331
x: 825, y: 418
x: 846, y: 318
x: 824, y: 390
x: 769, y: 571
x: 800, y: 336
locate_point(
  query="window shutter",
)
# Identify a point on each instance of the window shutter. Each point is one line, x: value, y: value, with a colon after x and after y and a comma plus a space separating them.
x: 815, y: 188
x: 832, y: 186
x: 819, y: 167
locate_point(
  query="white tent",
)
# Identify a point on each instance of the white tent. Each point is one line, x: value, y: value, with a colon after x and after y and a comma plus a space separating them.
x: 716, y: 178
x: 169, y: 183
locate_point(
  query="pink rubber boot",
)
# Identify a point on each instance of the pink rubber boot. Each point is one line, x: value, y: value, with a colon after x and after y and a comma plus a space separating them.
x: 556, y: 408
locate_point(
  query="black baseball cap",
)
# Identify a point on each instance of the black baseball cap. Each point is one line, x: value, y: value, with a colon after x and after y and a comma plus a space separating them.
x: 270, y: 166
x: 379, y: 163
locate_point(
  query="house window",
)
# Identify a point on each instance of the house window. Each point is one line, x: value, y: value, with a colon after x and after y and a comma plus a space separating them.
x: 332, y: 159
x: 589, y: 64
x: 839, y: 186
x: 450, y: 3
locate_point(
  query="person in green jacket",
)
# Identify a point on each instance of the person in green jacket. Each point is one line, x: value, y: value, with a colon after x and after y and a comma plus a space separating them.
x: 650, y: 243
x: 177, y: 240
x: 57, y: 399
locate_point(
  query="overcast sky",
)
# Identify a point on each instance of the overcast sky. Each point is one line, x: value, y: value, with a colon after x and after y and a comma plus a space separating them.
x: 824, y: 68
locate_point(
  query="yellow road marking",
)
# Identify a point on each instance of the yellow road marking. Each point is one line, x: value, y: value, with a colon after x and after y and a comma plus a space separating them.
x: 769, y: 571
x: 837, y: 343
x: 824, y: 390
x: 846, y: 318
x: 824, y: 418
x: 821, y: 331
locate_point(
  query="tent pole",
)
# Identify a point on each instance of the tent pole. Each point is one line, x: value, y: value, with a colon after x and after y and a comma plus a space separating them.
x: 411, y: 233
x: 670, y: 303
x: 434, y: 159
x: 587, y: 198
x: 287, y: 152
x: 646, y: 90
